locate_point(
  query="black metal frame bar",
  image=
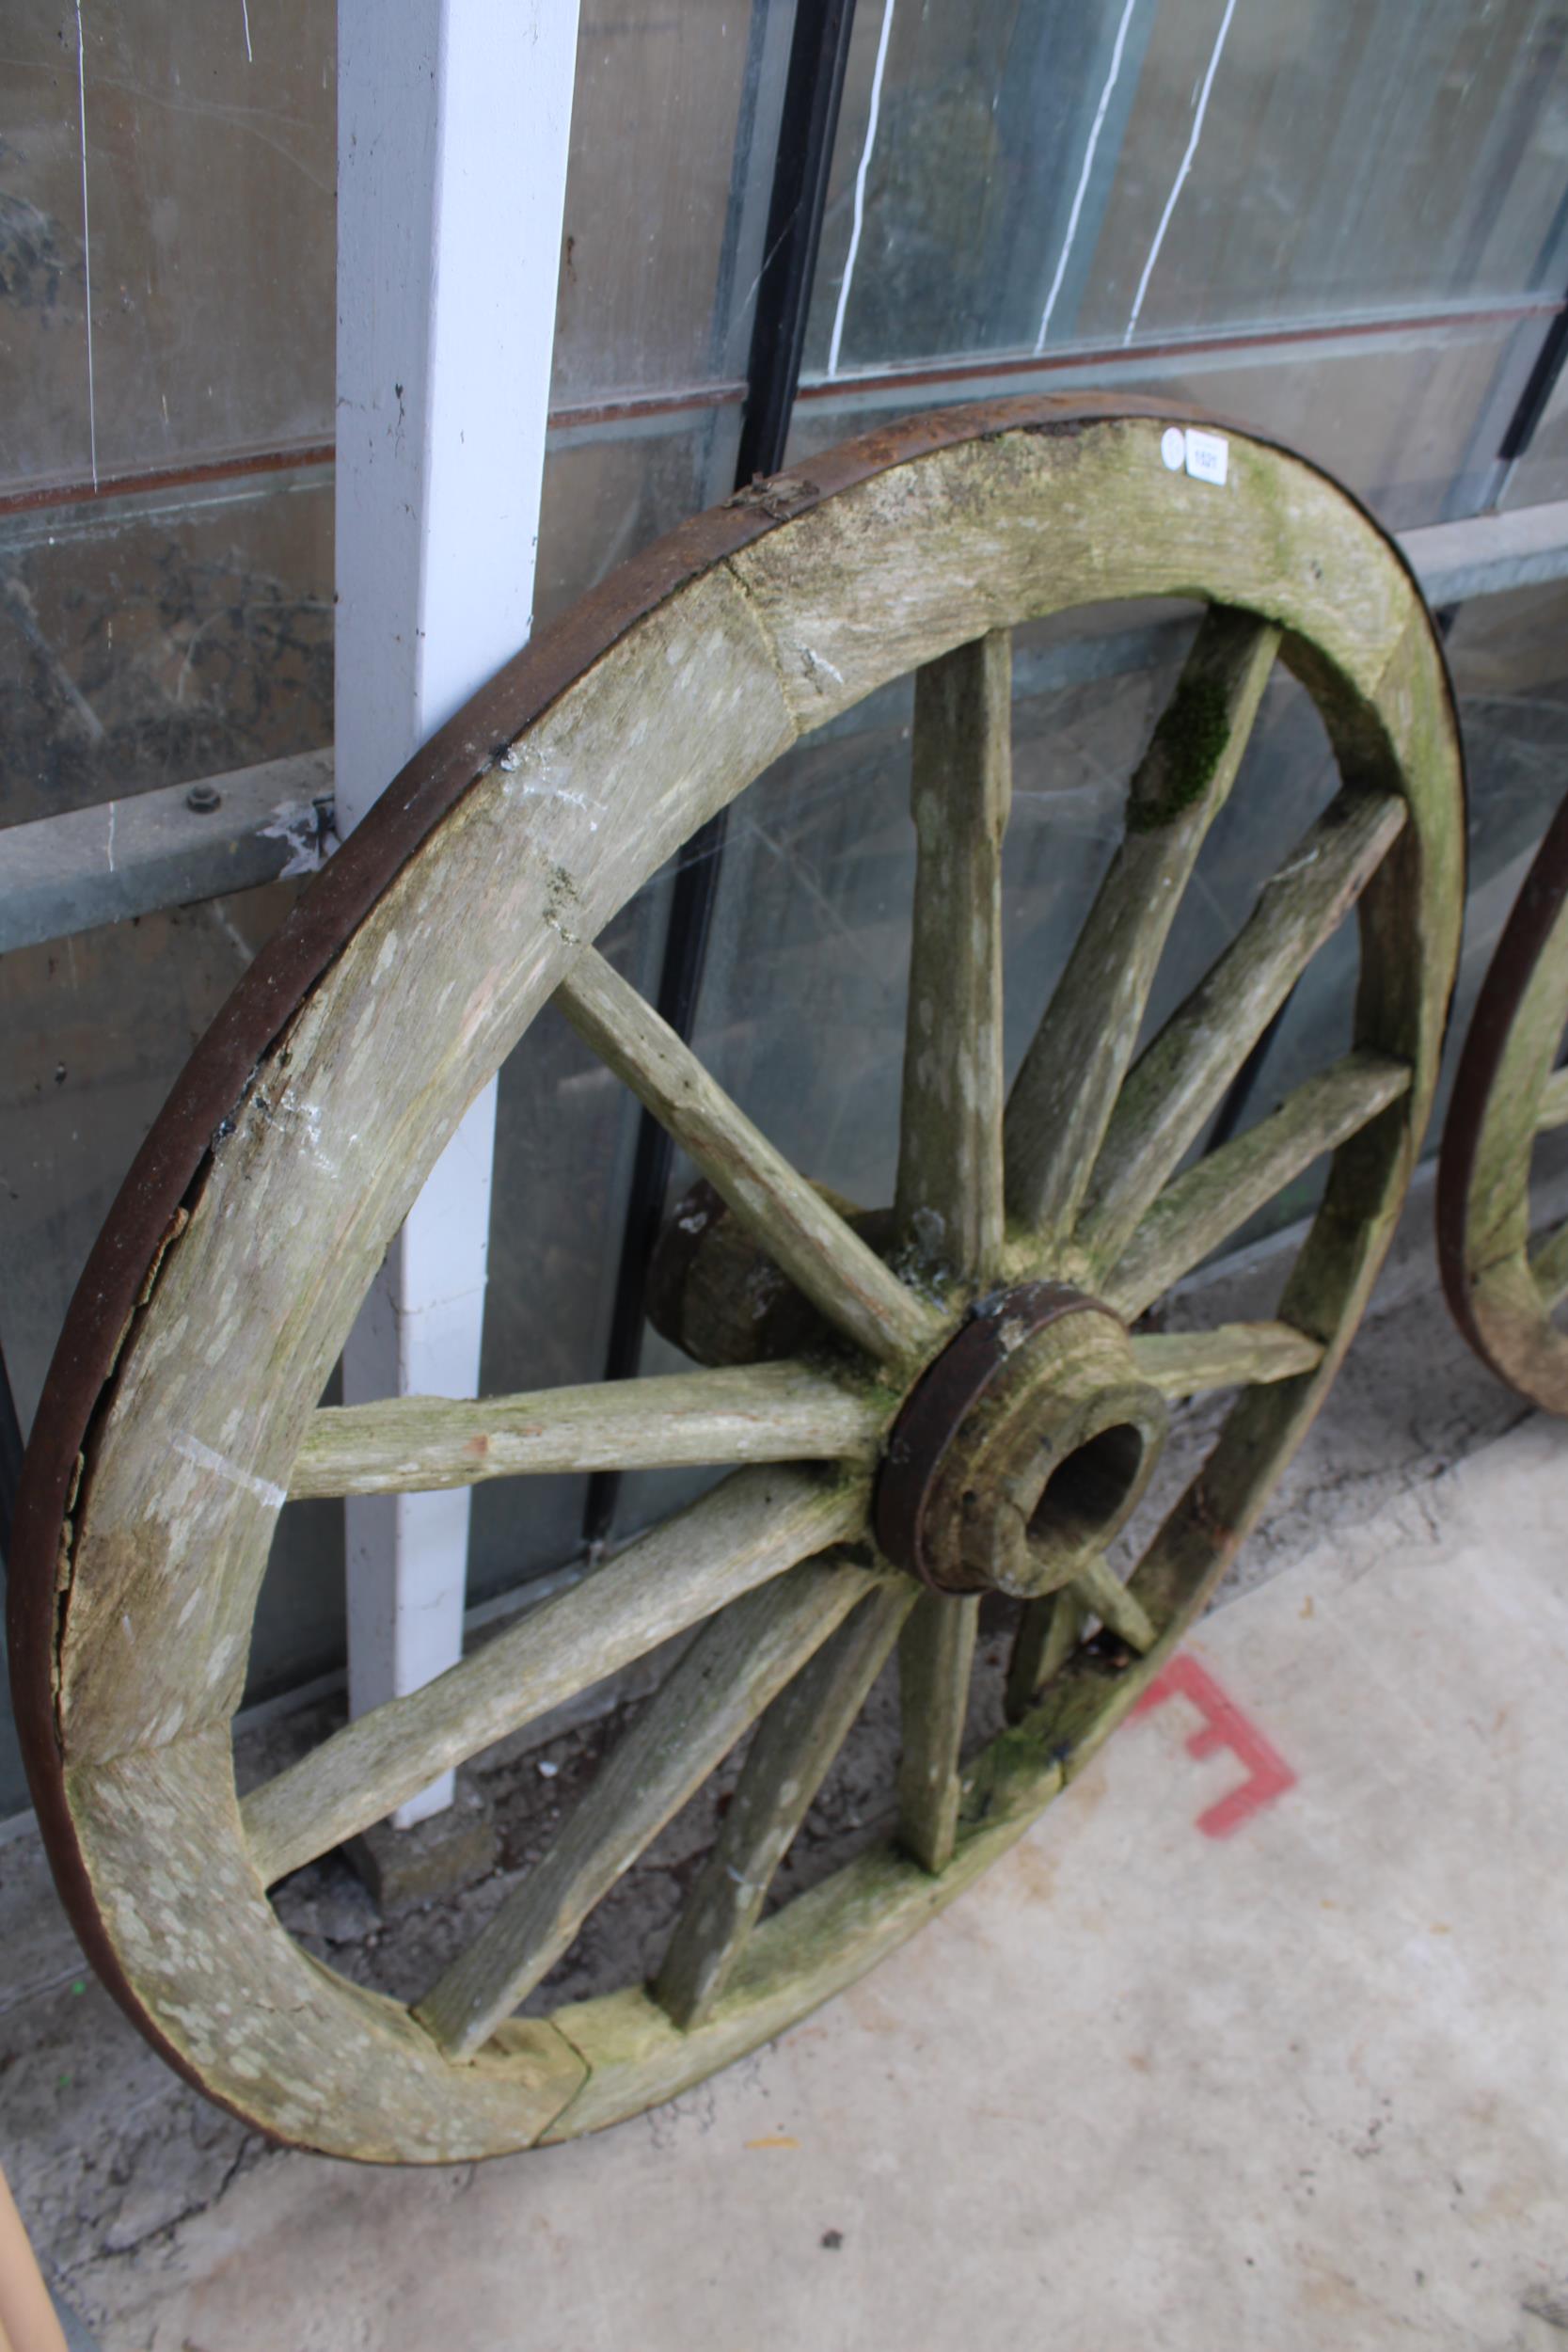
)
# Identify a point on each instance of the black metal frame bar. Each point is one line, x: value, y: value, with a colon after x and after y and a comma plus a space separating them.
x: 1539, y: 388
x: 813, y: 91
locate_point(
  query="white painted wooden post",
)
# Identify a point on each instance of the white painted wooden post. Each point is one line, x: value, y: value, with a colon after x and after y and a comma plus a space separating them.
x: 452, y: 121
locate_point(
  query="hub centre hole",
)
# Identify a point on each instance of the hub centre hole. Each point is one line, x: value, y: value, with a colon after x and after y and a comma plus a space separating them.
x: 1085, y: 1495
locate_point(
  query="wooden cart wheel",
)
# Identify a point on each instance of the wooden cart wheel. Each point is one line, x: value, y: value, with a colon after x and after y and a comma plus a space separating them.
x: 1508, y: 1091
x: 981, y: 1414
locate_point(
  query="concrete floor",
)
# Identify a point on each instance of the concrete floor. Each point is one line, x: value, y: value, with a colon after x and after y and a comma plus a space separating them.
x: 1301, y: 2084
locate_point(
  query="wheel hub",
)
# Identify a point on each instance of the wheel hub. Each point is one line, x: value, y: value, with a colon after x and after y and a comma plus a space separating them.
x: 1024, y: 1447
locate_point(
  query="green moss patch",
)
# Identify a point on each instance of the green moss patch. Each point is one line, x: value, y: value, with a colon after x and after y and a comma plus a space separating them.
x: 1188, y: 745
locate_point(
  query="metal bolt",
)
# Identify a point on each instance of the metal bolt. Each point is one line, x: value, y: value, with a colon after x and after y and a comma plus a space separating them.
x: 204, y: 799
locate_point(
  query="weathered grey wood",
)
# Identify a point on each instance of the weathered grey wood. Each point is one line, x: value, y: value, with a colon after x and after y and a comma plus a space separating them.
x: 1065, y: 1090
x: 959, y: 548
x: 1232, y: 1355
x: 948, y: 1201
x: 1553, y: 1111
x: 936, y: 1662
x: 1548, y: 1265
x: 812, y: 1948
x: 166, y: 1819
x: 1181, y: 1078
x: 1104, y: 1597
x: 1206, y: 1203
x: 1049, y: 1632
x: 335, y: 1135
x: 755, y: 1413
x: 827, y: 1937
x: 789, y: 1216
x: 1409, y: 924
x: 225, y: 1361
x: 796, y: 1744
x: 736, y: 1666
x: 757, y: 1524
x: 1503, y: 1284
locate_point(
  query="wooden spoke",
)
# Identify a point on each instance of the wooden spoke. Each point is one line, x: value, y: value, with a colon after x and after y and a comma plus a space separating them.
x: 948, y: 1202
x: 333, y: 1079
x: 1064, y: 1094
x: 1233, y: 1356
x: 1553, y: 1111
x: 733, y: 1668
x: 794, y: 1225
x: 1203, y: 1207
x: 1178, y: 1082
x: 755, y: 1526
x: 789, y: 1758
x: 1104, y: 1597
x: 936, y: 1655
x: 1549, y: 1266
x: 1048, y: 1632
x: 754, y: 1413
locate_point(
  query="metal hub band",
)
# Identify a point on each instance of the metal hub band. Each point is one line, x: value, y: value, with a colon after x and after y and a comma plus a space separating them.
x: 1026, y: 1445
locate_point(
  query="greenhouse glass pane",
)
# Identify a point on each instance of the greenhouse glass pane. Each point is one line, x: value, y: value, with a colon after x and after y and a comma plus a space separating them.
x: 1017, y: 178
x: 151, y: 639
x: 94, y: 1031
x: 207, y: 142
x: 674, y: 118
x: 209, y: 156
x: 1410, y: 419
x: 608, y: 492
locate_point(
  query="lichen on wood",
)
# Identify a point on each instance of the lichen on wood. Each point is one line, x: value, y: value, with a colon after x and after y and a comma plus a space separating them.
x: 732, y: 639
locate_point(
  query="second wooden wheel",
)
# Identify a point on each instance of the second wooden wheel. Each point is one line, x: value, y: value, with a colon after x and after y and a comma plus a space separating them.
x: 1502, y: 1282
x: 974, y: 1406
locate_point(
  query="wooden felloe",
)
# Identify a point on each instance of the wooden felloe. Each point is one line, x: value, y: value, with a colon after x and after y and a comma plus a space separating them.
x: 184, y: 1407
x: 1502, y: 1278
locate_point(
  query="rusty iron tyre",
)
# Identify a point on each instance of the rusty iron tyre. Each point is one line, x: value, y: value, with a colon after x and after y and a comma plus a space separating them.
x: 973, y: 1401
